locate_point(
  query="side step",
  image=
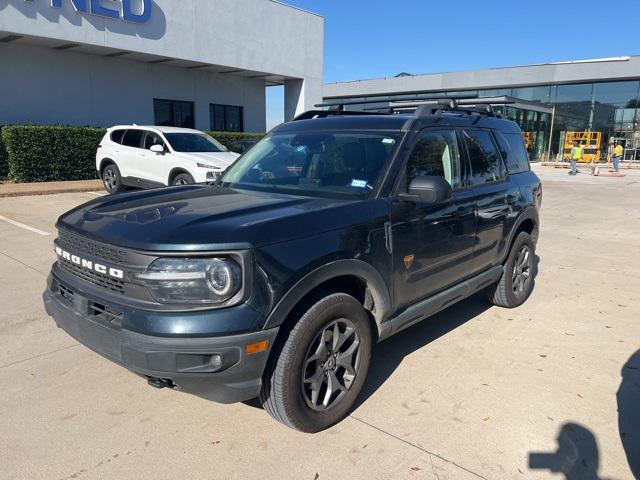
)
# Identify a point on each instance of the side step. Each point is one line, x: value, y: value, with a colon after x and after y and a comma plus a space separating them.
x: 432, y: 305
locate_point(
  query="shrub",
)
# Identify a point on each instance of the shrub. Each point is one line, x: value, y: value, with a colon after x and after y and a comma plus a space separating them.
x: 4, y: 166
x: 227, y: 138
x: 48, y: 153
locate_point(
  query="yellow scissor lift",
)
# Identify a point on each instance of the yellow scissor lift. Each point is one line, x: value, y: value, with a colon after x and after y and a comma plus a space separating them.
x: 590, y: 141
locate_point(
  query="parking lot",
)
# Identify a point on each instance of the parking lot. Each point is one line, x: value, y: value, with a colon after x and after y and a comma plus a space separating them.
x: 474, y: 392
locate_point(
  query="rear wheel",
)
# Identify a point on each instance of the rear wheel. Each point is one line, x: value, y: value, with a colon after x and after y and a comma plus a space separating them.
x: 318, y: 374
x: 111, y: 179
x: 516, y: 283
x: 182, y: 179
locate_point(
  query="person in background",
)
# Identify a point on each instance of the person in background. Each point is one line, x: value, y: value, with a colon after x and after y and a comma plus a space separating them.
x: 575, y: 157
x: 617, y: 156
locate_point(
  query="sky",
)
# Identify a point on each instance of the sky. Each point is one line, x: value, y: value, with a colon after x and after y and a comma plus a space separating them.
x: 380, y: 38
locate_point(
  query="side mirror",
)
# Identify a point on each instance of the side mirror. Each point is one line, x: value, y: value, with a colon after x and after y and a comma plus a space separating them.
x: 428, y: 189
x: 157, y: 148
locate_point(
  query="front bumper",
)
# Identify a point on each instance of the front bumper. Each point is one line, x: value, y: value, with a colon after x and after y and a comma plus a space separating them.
x: 189, y: 364
x: 202, y: 175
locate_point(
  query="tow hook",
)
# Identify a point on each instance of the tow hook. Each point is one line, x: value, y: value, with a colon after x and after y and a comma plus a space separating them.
x: 156, y: 382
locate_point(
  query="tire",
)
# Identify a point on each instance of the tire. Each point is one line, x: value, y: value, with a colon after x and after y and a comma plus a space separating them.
x: 308, y: 406
x: 111, y: 179
x: 182, y: 179
x: 516, y: 283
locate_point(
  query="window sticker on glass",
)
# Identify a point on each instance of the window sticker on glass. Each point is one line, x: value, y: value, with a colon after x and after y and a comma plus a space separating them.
x: 388, y: 141
x: 358, y: 183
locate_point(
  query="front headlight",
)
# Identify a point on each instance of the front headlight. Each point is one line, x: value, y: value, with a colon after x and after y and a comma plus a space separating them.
x: 192, y: 280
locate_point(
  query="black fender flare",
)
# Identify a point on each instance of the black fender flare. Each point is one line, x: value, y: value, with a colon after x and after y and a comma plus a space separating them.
x: 176, y: 171
x: 374, y: 282
x: 530, y: 213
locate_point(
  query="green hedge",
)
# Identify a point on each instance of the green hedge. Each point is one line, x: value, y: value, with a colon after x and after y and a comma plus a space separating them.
x: 49, y: 153
x: 37, y: 153
x: 227, y: 138
x: 4, y: 166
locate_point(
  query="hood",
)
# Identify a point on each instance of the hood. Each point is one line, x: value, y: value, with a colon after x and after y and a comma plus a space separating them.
x: 215, y: 159
x: 207, y: 217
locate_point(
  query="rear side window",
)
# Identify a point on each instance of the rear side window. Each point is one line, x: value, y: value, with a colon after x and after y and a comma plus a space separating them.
x: 484, y: 160
x: 513, y: 151
x: 133, y: 138
x: 116, y: 136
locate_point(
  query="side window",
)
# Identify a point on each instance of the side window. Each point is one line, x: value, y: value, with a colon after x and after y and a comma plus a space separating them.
x: 152, y: 139
x: 518, y: 160
x: 436, y: 154
x: 116, y: 136
x: 485, y: 162
x: 133, y: 138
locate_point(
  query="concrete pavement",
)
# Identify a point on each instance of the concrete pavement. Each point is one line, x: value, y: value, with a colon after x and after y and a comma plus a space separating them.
x: 468, y: 394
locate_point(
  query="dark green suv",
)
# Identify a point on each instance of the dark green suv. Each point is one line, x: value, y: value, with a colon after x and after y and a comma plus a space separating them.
x: 332, y: 233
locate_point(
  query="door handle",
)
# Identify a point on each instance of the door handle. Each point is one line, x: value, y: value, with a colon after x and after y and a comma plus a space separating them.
x: 459, y: 213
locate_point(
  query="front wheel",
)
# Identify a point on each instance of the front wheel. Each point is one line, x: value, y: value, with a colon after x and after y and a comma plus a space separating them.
x: 321, y: 369
x: 516, y: 283
x: 182, y: 179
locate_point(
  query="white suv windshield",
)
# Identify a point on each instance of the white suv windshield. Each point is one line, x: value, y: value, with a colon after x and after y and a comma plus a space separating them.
x: 193, y: 142
x: 316, y: 163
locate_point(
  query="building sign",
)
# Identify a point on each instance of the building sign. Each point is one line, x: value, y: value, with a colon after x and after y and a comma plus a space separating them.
x: 137, y: 11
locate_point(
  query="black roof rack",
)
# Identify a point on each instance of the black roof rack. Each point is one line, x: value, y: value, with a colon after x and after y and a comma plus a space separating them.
x: 422, y: 108
x: 341, y: 103
x: 419, y: 106
x: 333, y: 112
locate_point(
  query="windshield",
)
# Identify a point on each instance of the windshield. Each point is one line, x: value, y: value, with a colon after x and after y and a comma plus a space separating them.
x: 194, y: 142
x: 317, y: 163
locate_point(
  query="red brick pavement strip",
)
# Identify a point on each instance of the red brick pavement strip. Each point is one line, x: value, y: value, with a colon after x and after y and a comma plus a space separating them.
x: 47, y: 188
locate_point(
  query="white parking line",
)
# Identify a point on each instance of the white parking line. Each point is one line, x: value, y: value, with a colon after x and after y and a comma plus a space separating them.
x: 26, y: 227
x: 97, y: 194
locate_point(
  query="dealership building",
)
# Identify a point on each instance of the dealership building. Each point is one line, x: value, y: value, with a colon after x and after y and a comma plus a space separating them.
x: 596, y: 101
x: 207, y: 63
x: 192, y: 63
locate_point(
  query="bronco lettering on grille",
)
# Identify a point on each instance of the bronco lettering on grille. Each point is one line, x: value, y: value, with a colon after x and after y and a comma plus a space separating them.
x: 88, y: 264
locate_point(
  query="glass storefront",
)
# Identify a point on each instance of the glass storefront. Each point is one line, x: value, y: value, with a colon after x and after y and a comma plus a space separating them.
x: 535, y: 129
x: 610, y: 110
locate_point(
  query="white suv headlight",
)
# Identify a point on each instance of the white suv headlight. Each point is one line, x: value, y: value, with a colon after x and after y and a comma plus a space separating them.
x: 193, y: 280
x: 206, y: 165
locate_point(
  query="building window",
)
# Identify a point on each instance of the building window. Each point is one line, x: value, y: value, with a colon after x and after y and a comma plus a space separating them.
x: 226, y: 118
x: 173, y: 113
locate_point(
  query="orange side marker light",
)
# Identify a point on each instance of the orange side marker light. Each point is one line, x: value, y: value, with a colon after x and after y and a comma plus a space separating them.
x: 256, y: 347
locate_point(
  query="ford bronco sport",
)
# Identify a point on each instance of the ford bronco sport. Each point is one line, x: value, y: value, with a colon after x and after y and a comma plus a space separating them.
x: 335, y: 231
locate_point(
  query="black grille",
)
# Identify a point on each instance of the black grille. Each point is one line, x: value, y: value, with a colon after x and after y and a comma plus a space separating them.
x: 105, y: 314
x: 80, y: 245
x: 112, y: 284
x: 66, y: 293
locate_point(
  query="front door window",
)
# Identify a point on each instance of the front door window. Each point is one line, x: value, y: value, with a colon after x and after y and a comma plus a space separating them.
x: 435, y: 154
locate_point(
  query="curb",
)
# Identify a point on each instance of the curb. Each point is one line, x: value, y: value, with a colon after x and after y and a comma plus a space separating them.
x: 28, y: 189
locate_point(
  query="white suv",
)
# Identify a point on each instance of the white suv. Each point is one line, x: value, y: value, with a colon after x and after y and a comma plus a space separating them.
x: 146, y: 157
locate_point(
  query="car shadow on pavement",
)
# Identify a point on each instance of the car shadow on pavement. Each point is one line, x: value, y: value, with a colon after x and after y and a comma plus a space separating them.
x: 577, y: 456
x: 388, y: 355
